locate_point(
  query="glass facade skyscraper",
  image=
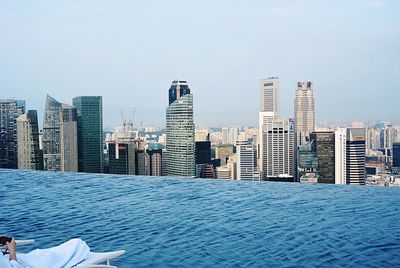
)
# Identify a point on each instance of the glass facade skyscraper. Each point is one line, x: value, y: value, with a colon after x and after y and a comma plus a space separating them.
x: 180, y: 131
x: 90, y: 131
x: 325, y: 151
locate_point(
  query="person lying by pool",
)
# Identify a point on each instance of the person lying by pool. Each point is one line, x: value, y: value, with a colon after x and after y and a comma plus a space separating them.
x: 67, y: 254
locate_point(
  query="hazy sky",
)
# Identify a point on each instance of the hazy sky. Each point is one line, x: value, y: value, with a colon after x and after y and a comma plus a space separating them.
x: 130, y: 51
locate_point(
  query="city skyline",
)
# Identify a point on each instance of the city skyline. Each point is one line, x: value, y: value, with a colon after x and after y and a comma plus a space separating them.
x: 350, y: 56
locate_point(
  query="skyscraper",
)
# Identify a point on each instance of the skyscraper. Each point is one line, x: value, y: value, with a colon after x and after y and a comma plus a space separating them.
x: 340, y: 155
x: 278, y: 152
x: 396, y: 158
x: 90, y: 133
x: 203, y: 152
x: 350, y: 156
x: 10, y: 110
x: 269, y: 96
x: 60, y: 136
x: 246, y: 161
x: 269, y: 109
x: 180, y: 131
x: 304, y: 112
x: 122, y: 158
x: 51, y: 135
x: 154, y: 159
x: 325, y: 152
x: 29, y: 154
x: 69, y: 138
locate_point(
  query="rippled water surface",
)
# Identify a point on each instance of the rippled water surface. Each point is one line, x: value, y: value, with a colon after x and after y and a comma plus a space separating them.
x: 205, y: 223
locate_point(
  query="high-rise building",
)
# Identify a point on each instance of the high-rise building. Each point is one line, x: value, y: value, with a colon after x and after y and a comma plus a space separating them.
x: 325, y: 153
x: 278, y: 150
x: 307, y: 159
x: 350, y: 156
x: 373, y: 139
x: 154, y: 162
x: 69, y: 138
x: 51, y: 135
x: 140, y: 162
x: 340, y: 156
x: 269, y: 96
x: 60, y: 136
x: 396, y: 157
x: 269, y: 109
x: 10, y: 110
x: 203, y: 152
x: 122, y: 158
x: 246, y: 161
x: 90, y: 132
x: 29, y: 154
x: 304, y: 112
x: 229, y: 135
x: 180, y: 131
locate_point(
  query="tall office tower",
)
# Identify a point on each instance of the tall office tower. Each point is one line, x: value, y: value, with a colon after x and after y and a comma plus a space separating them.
x: 325, y: 152
x: 51, y: 135
x: 278, y: 153
x: 269, y: 96
x: 60, y: 136
x: 10, y: 110
x: 203, y: 152
x: 90, y: 133
x: 233, y: 135
x: 69, y: 138
x: 396, y: 158
x: 340, y: 156
x: 122, y: 158
x: 350, y: 156
x: 29, y: 154
x: 204, y: 169
x: 164, y: 163
x: 307, y: 159
x: 180, y: 131
x: 246, y: 161
x: 373, y: 139
x: 154, y: 162
x: 140, y: 162
x: 388, y: 137
x: 225, y: 135
x: 269, y: 109
x: 229, y: 135
x: 304, y: 111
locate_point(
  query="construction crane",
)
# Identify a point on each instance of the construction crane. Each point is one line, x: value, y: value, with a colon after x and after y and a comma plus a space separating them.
x: 124, y: 123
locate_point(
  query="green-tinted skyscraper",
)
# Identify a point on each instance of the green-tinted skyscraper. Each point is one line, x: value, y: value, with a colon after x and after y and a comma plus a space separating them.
x: 90, y: 133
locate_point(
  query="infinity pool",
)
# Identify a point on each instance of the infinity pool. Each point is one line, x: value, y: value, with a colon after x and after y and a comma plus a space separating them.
x: 167, y: 222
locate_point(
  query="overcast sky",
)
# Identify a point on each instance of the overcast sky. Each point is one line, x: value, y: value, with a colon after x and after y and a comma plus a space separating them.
x: 130, y: 51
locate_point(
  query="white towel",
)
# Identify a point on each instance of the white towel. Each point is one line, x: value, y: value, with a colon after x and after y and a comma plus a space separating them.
x: 65, y: 255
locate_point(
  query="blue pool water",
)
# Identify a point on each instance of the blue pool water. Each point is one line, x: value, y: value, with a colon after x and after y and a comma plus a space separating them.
x: 166, y: 222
